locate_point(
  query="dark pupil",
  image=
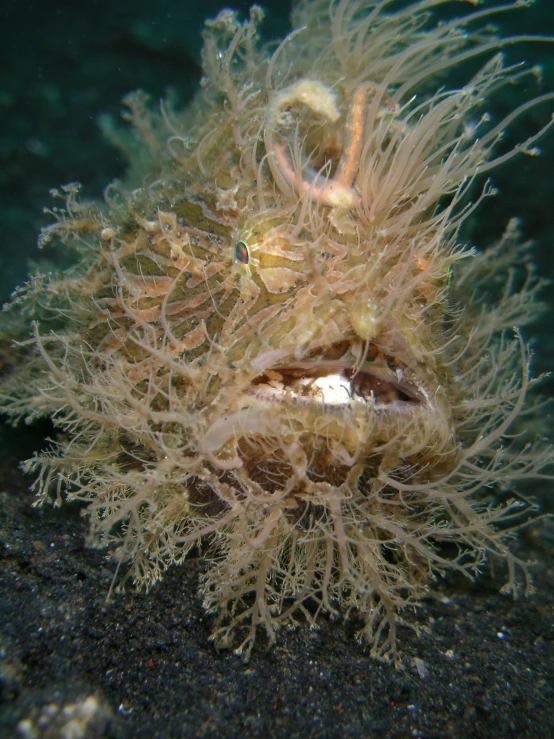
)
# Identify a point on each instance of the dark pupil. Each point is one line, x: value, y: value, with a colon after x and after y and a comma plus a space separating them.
x: 241, y: 252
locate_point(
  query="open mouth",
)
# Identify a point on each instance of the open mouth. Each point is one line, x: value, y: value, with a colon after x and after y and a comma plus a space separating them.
x: 340, y: 378
x: 333, y: 378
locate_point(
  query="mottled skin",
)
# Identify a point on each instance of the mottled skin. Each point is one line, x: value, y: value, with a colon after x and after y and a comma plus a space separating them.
x: 261, y: 347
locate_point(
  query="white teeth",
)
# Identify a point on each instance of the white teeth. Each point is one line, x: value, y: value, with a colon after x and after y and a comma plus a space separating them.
x: 334, y: 389
x: 330, y: 389
x: 334, y: 379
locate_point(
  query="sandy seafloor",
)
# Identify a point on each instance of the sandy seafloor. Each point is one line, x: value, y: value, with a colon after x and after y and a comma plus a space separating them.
x: 141, y: 665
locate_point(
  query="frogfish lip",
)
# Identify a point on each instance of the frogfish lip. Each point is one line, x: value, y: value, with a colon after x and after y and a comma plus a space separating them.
x: 333, y: 378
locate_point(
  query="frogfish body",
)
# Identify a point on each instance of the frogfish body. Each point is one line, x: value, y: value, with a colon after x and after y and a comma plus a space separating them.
x: 272, y: 342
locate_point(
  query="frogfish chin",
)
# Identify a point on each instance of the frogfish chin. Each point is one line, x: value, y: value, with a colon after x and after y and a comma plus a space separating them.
x: 273, y: 342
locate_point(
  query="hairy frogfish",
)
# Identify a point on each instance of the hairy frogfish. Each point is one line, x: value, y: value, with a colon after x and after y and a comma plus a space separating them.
x: 273, y: 346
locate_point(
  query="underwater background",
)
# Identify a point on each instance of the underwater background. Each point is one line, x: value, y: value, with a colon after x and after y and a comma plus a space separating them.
x: 64, y: 68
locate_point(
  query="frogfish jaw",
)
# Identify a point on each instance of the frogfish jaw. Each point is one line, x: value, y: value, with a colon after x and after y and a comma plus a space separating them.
x: 331, y: 410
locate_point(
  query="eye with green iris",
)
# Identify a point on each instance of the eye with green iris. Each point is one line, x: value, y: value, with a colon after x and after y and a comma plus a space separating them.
x: 241, y: 252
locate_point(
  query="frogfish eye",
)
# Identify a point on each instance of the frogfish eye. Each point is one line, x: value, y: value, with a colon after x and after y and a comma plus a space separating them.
x: 241, y: 252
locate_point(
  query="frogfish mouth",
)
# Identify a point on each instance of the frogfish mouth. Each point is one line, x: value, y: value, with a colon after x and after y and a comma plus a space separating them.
x: 347, y: 403
x: 332, y: 378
